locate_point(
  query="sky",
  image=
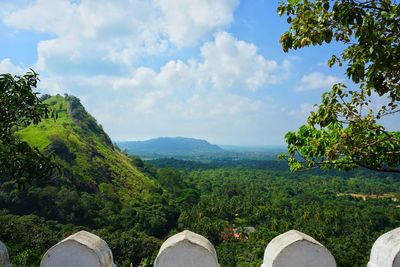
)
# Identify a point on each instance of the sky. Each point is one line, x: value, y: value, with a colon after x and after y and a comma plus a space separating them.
x: 209, y: 69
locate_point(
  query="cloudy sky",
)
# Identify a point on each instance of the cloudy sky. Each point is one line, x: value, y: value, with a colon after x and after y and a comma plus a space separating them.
x: 211, y: 69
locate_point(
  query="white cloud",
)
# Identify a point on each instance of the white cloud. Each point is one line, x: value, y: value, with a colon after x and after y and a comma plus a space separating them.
x: 45, y: 16
x: 103, y: 33
x: 229, y: 62
x: 6, y: 66
x: 317, y: 81
x: 215, y: 87
x: 226, y: 63
x: 107, y: 33
x: 101, y: 38
x: 8, y: 6
x: 185, y: 22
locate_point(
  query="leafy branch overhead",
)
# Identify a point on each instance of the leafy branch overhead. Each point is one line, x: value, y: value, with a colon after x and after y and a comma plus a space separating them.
x: 345, y: 131
x: 19, y: 108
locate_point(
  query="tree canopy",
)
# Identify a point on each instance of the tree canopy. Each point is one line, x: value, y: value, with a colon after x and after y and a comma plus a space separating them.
x: 345, y: 131
x: 20, y: 107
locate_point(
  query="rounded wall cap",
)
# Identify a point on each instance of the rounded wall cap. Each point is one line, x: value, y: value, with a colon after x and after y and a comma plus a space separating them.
x: 187, y: 249
x: 81, y: 248
x: 295, y: 248
x: 4, y: 259
x: 386, y: 250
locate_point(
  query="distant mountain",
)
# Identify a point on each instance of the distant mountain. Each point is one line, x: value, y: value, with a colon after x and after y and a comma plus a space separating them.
x: 169, y: 146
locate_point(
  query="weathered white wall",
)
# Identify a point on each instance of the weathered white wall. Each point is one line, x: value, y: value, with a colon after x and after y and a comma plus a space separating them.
x: 4, y: 260
x: 82, y: 249
x: 386, y: 250
x: 294, y: 248
x: 187, y: 249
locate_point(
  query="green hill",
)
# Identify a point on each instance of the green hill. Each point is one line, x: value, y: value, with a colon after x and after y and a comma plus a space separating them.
x: 85, y: 152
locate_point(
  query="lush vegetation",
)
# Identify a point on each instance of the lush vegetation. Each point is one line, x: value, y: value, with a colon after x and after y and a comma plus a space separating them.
x: 346, y: 131
x: 239, y: 204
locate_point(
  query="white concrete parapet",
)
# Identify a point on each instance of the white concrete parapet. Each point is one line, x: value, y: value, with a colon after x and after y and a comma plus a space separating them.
x: 4, y: 260
x: 386, y: 250
x: 294, y: 248
x: 82, y: 249
x: 187, y: 249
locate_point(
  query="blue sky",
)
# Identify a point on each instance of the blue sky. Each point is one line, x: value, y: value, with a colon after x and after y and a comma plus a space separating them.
x: 211, y: 69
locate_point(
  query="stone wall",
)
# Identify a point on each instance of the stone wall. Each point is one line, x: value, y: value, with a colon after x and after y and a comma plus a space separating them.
x: 188, y: 249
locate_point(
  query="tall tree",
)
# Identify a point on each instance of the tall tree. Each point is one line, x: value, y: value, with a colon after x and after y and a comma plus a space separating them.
x: 346, y: 130
x: 19, y: 108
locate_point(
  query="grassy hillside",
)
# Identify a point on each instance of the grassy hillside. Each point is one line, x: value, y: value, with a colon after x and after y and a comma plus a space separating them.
x: 85, y: 152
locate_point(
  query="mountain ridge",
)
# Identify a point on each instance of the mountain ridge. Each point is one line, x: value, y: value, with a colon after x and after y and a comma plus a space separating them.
x: 169, y: 145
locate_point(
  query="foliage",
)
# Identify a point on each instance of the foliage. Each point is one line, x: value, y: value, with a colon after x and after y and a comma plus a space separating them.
x: 345, y: 131
x: 19, y: 108
x: 273, y: 201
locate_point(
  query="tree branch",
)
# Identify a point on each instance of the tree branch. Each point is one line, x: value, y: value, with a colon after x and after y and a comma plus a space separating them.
x: 390, y: 170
